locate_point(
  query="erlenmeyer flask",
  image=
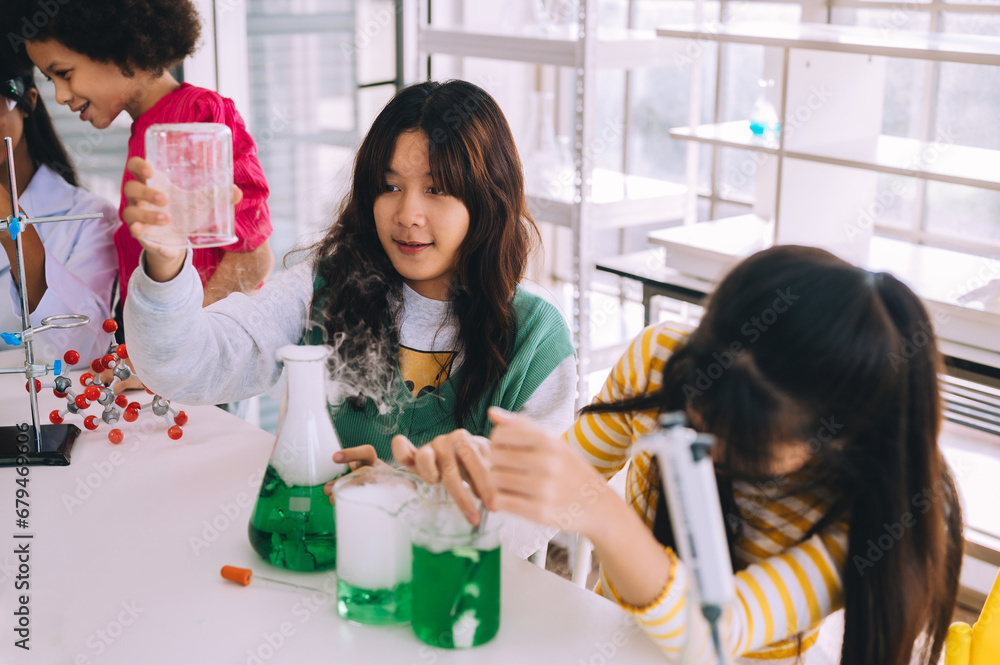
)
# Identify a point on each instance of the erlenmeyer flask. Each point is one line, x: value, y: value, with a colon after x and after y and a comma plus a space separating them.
x: 293, y: 522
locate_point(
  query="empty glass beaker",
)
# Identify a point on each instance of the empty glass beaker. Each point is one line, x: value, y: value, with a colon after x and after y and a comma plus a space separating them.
x: 193, y: 166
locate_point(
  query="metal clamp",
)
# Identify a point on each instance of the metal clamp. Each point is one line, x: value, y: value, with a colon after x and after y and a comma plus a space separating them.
x: 55, y: 322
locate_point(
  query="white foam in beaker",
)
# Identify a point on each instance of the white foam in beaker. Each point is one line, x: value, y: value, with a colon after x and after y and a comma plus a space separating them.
x: 373, y: 545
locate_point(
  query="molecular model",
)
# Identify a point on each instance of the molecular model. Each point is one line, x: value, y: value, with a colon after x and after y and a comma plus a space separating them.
x: 115, y: 408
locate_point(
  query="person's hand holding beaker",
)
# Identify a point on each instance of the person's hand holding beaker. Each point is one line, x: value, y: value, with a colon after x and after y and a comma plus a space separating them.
x: 162, y: 262
x: 193, y: 166
x: 358, y: 457
x: 452, y: 459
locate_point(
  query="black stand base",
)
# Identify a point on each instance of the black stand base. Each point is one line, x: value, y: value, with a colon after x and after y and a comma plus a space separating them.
x: 17, y: 445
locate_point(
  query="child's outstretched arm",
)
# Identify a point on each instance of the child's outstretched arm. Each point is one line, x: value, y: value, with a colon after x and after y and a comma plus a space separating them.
x: 536, y: 475
x: 237, y: 272
x: 222, y: 353
x: 162, y: 264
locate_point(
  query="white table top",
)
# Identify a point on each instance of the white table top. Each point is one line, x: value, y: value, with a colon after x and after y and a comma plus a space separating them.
x: 125, y: 566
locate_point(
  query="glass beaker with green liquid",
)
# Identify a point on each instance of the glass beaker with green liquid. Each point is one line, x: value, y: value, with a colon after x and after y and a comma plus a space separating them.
x: 293, y: 522
x: 456, y: 578
x: 374, y: 561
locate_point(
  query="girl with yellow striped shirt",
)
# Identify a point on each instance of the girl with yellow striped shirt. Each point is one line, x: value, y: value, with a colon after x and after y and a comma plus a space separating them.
x: 819, y: 382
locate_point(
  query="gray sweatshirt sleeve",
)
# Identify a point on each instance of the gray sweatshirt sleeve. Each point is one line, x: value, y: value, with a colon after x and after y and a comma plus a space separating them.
x: 222, y: 353
x: 551, y: 405
x: 553, y: 402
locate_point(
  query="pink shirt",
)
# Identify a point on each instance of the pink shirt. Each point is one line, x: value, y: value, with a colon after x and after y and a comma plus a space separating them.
x: 253, y: 220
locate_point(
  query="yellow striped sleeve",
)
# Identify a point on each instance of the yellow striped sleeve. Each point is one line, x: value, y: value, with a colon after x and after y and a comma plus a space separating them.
x: 787, y: 618
x: 664, y: 620
x: 759, y: 618
x: 786, y: 595
x: 605, y: 439
x: 789, y: 648
x: 830, y: 589
x: 812, y: 605
x: 777, y: 600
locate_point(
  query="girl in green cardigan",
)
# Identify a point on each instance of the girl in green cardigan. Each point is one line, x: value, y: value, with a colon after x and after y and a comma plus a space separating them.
x: 416, y: 285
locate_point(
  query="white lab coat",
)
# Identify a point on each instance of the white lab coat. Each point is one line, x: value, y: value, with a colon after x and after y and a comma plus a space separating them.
x: 80, y: 268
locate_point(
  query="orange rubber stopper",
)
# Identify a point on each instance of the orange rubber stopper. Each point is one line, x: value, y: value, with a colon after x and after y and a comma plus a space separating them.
x: 238, y: 575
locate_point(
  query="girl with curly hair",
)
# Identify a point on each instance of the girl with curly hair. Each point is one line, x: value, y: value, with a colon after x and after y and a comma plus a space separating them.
x: 125, y: 69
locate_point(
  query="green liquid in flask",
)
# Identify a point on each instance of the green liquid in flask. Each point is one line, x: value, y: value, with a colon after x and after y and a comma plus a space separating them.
x: 293, y: 527
x: 456, y: 596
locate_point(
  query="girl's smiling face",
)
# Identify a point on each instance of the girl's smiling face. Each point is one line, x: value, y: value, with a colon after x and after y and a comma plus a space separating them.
x: 421, y: 227
x: 98, y: 91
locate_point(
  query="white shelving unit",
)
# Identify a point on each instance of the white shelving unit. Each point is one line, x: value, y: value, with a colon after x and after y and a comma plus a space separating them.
x: 942, y: 47
x: 618, y: 200
x: 960, y: 165
x: 598, y: 198
x: 847, y: 60
x: 614, y: 48
x: 821, y: 140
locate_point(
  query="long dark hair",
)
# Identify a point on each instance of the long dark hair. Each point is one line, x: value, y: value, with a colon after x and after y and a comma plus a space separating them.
x: 472, y: 157
x: 794, y: 338
x: 44, y: 145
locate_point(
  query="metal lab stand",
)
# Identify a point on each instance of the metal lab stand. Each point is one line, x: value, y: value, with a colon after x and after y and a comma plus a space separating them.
x: 22, y: 444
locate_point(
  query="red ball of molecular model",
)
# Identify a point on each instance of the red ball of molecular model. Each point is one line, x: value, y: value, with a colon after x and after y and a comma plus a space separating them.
x: 94, y: 390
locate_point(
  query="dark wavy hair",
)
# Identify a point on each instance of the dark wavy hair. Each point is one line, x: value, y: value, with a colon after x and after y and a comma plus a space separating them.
x: 149, y: 35
x: 817, y: 338
x: 473, y: 158
x: 44, y: 145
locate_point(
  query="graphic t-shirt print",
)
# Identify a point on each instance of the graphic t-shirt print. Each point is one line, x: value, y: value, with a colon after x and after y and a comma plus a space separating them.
x: 424, y: 371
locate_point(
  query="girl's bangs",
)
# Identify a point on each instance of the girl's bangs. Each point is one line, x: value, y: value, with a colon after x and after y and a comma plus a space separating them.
x: 448, y: 168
